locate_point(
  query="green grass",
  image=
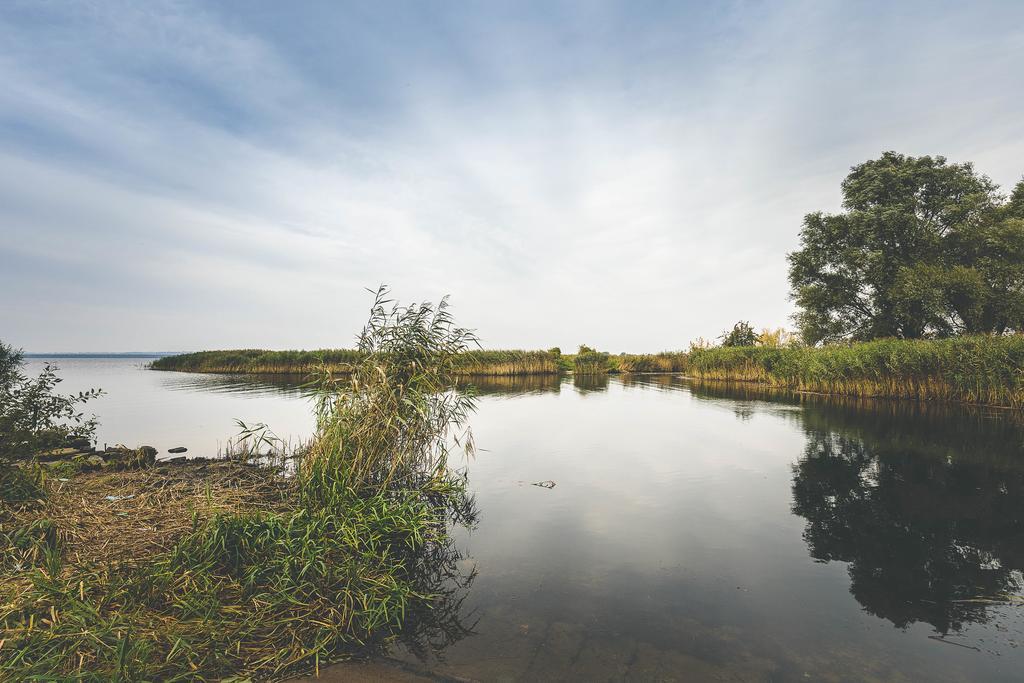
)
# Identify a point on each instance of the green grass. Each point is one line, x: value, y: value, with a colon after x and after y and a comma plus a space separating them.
x: 984, y: 370
x: 257, y: 593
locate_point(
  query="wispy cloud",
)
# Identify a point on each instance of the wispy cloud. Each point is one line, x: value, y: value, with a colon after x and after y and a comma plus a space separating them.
x: 185, y: 176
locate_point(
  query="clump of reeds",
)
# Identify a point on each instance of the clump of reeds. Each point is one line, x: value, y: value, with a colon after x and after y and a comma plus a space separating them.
x: 392, y: 421
x: 661, y: 362
x: 591, y: 362
x: 980, y: 369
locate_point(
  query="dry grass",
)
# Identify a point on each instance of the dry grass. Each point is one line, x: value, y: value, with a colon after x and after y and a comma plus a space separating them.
x: 148, y: 510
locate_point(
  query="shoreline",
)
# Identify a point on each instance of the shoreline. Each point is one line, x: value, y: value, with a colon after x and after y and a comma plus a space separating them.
x: 978, y: 370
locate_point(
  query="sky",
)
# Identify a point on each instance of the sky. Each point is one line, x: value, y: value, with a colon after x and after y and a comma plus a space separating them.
x: 184, y: 176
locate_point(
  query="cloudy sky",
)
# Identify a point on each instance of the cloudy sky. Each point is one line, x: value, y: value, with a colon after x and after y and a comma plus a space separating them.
x: 178, y: 176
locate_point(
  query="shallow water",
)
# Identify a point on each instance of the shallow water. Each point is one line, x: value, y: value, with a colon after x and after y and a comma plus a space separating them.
x: 695, y: 532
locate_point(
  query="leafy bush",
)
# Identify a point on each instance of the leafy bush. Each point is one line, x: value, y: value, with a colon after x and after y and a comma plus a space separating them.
x: 741, y: 334
x: 33, y: 417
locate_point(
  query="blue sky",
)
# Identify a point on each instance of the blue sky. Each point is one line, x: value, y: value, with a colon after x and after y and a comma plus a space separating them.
x: 627, y: 175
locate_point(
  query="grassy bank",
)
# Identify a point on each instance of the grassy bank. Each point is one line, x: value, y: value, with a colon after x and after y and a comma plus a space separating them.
x: 258, y: 361
x: 499, y: 363
x: 983, y: 370
x: 220, y: 569
x: 342, y: 361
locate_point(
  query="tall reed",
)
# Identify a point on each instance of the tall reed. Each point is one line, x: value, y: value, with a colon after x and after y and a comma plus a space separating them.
x: 589, y: 362
x: 391, y: 422
x: 981, y: 369
x: 665, y: 361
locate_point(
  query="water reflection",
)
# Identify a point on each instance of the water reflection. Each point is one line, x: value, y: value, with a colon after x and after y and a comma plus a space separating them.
x: 512, y: 386
x: 444, y: 571
x: 588, y: 384
x: 926, y: 530
x: 925, y: 502
x: 286, y: 385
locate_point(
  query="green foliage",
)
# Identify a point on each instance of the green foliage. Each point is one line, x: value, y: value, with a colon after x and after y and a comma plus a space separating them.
x: 21, y: 483
x: 262, y: 593
x: 37, y: 544
x: 590, y: 362
x: 660, y: 362
x: 389, y: 422
x: 741, y: 334
x: 924, y: 249
x: 973, y: 369
x: 32, y: 416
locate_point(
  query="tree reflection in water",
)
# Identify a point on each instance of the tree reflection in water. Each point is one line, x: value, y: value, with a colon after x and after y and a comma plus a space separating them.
x: 924, y: 502
x: 924, y: 536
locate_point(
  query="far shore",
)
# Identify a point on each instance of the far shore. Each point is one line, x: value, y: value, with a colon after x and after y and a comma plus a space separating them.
x: 981, y: 370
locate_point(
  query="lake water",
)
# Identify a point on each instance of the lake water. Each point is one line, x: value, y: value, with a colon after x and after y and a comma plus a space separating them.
x: 695, y: 532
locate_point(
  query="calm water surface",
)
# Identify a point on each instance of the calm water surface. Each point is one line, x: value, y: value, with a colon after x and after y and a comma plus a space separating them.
x: 695, y: 532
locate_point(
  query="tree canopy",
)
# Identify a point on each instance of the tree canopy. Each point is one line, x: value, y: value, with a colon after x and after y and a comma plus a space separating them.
x: 741, y: 334
x: 924, y: 248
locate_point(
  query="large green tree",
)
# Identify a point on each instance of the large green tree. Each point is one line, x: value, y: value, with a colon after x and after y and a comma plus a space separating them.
x: 924, y: 248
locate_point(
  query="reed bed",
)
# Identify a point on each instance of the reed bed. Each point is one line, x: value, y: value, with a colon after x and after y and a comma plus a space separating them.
x: 592, y: 363
x: 986, y: 370
x: 666, y: 361
x: 343, y: 361
x: 257, y: 361
x: 506, y: 363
